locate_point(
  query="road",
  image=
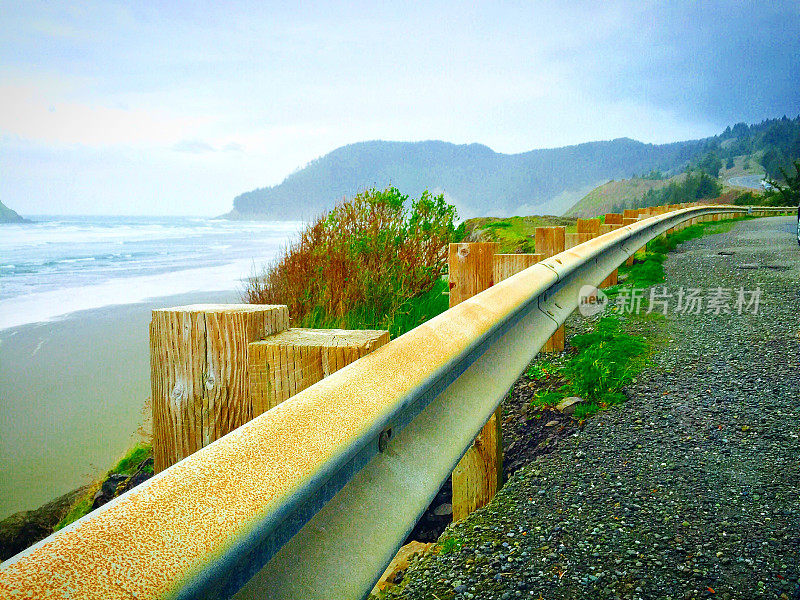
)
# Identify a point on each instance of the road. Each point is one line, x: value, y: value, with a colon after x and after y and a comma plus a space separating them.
x: 752, y: 182
x: 690, y: 489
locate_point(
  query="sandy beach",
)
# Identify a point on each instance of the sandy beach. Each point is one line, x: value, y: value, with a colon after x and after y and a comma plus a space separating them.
x: 72, y: 393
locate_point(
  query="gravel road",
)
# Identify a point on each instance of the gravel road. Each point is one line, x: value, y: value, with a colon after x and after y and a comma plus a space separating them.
x: 691, y: 489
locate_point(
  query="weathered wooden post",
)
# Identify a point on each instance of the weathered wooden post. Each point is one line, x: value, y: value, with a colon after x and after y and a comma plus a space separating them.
x: 288, y: 362
x: 471, y: 269
x: 478, y: 475
x: 613, y: 221
x: 630, y: 216
x: 198, y: 372
x: 550, y: 241
x: 588, y: 229
x: 589, y: 226
x: 506, y: 265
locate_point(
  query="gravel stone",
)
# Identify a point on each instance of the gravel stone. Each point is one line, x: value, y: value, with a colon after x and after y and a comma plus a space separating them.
x: 690, y: 489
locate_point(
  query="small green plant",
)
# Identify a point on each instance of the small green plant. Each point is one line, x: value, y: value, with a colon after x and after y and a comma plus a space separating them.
x: 607, y: 359
x: 546, y: 399
x: 536, y: 372
x: 451, y: 545
x: 586, y: 409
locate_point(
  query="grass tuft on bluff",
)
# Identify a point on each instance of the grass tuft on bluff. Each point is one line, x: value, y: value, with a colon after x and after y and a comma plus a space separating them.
x: 133, y: 461
x: 514, y: 234
x: 375, y: 262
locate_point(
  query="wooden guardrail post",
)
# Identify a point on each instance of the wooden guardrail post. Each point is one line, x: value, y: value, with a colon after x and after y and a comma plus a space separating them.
x: 613, y: 221
x: 630, y: 216
x: 550, y: 241
x: 286, y: 363
x: 478, y: 475
x: 591, y: 228
x: 198, y: 372
x: 506, y: 265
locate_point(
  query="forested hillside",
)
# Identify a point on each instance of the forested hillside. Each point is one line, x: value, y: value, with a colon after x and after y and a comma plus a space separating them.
x: 476, y: 179
x: 481, y: 182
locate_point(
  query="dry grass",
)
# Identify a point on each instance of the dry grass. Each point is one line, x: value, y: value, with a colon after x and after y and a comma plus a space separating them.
x: 357, y: 265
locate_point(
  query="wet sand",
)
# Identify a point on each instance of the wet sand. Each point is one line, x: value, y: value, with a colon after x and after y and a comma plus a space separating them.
x: 72, y: 394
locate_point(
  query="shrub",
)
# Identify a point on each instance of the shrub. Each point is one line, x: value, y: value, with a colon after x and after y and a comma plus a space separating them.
x: 364, y: 263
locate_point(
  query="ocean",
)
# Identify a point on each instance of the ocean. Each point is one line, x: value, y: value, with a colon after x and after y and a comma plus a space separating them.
x: 58, y: 265
x: 76, y: 295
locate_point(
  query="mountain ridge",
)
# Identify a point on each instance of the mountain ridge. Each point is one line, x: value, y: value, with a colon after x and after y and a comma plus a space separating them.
x: 482, y: 182
x: 468, y: 174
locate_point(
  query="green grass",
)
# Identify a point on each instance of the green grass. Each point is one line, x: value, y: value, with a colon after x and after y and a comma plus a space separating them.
x: 604, y: 361
x: 128, y: 465
x: 607, y: 359
x: 514, y: 234
x: 547, y: 399
x: 536, y: 372
x: 586, y: 409
x: 407, y: 315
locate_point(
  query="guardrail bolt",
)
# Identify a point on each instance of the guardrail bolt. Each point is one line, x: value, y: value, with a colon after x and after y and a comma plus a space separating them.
x: 383, y: 439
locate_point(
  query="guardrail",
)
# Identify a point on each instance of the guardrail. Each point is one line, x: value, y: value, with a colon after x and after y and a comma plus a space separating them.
x: 313, y: 498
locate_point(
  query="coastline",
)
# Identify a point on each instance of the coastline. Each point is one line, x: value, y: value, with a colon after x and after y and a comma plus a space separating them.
x: 72, y: 396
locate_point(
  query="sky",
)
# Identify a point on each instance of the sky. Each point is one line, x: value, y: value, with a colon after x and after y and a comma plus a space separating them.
x: 167, y: 108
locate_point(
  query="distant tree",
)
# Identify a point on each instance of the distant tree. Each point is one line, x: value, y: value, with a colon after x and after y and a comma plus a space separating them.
x: 740, y: 130
x: 773, y: 161
x: 711, y: 164
x: 697, y: 186
x: 730, y: 164
x: 787, y: 191
x: 654, y: 175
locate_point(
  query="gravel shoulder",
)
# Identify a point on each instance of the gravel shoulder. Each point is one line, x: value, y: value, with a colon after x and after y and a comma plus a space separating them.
x: 690, y: 489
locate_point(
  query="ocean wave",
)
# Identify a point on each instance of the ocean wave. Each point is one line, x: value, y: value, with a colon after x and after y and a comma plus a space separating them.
x: 49, y: 305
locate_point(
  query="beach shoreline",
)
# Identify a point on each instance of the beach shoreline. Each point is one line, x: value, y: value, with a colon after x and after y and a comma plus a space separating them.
x: 72, y: 396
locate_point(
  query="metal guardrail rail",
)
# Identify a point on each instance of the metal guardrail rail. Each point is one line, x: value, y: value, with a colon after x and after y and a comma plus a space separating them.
x: 313, y: 498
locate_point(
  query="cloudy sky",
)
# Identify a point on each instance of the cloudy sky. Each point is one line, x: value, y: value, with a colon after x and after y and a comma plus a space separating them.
x: 175, y: 108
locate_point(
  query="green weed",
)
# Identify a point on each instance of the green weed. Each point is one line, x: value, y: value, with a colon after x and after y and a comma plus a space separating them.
x: 607, y: 359
x: 546, y: 399
x: 536, y: 372
x: 586, y: 409
x: 451, y: 545
x: 128, y: 465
